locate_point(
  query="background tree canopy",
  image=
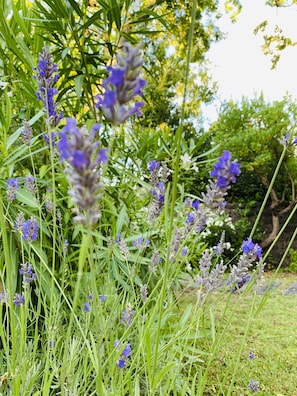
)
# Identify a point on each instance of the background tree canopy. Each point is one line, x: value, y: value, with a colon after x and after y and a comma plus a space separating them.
x: 255, y: 132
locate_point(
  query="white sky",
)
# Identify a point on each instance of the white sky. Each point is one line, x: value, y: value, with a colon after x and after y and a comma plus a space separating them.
x: 238, y: 64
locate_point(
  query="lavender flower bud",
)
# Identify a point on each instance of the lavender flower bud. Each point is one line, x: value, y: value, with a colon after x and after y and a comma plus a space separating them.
x: 251, y: 355
x: 224, y: 172
x: 254, y: 386
x: 143, y: 293
x: 140, y: 243
x: 125, y: 354
x: 30, y: 230
x: 210, y: 277
x: 178, y: 237
x: 27, y: 272
x: 122, y: 86
x: 219, y: 249
x: 4, y: 297
x: 18, y: 299
x: 19, y: 221
x: 30, y: 184
x: 252, y: 253
x: 27, y: 133
x: 47, y: 76
x: 128, y: 315
x: 155, y: 261
x: 102, y: 298
x: 85, y: 158
x: 196, y: 217
x: 65, y: 247
x: 12, y: 185
x: 124, y: 248
x: 159, y: 176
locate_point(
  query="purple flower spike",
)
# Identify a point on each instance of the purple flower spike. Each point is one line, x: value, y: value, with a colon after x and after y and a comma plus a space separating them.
x: 252, y: 253
x: 121, y: 363
x: 12, y: 185
x: 122, y: 86
x: 27, y: 272
x: 128, y: 315
x: 125, y: 354
x: 18, y: 300
x: 224, y: 172
x: 158, y: 175
x: 47, y: 76
x: 254, y: 386
x: 249, y: 246
x: 85, y: 158
x: 30, y: 230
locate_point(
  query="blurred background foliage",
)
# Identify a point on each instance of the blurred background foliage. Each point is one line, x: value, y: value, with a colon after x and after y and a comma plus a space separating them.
x: 253, y: 131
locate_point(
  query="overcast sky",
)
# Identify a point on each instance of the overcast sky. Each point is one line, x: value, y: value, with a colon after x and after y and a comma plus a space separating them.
x: 238, y: 64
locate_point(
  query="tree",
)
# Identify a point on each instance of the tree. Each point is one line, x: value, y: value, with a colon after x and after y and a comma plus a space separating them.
x: 275, y: 41
x: 253, y: 131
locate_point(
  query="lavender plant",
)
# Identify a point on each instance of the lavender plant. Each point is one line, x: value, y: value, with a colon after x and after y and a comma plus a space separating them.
x: 200, y: 212
x: 133, y: 303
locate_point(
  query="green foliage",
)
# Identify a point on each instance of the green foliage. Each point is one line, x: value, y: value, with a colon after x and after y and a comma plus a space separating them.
x: 274, y: 42
x: 292, y: 267
x: 233, y: 8
x: 252, y: 131
x: 166, y: 62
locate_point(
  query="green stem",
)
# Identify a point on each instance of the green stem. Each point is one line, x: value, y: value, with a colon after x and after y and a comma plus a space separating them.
x: 278, y: 236
x: 10, y: 275
x: 83, y: 254
x: 268, y: 192
x: 178, y: 139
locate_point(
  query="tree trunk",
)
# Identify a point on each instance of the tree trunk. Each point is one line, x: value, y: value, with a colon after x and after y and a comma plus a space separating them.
x: 276, y: 212
x: 275, y: 229
x: 275, y: 202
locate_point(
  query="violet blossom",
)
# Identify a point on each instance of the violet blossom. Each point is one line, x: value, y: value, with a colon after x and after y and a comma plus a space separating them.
x: 158, y: 177
x: 12, y: 186
x: 251, y: 256
x: 224, y: 173
x: 47, y: 76
x: 122, y: 86
x: 81, y: 150
x: 125, y: 354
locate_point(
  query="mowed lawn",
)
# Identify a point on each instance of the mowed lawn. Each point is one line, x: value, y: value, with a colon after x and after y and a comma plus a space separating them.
x: 255, y: 339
